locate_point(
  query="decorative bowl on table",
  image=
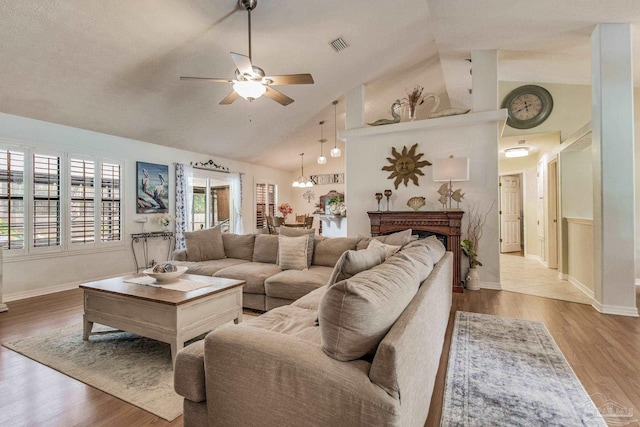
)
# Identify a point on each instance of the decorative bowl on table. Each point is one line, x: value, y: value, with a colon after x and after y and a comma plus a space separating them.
x: 164, y: 273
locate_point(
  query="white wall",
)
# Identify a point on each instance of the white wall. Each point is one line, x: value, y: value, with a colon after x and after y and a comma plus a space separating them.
x: 462, y: 136
x: 577, y: 184
x: 571, y: 108
x: 36, y: 274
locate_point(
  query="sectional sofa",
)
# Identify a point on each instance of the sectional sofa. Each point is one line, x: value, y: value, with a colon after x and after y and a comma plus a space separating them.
x: 258, y: 260
x: 363, y: 349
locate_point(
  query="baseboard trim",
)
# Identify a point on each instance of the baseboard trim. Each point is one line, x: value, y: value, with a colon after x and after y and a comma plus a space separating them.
x: 39, y: 292
x: 615, y: 309
x: 496, y: 286
x: 536, y: 258
x: 51, y: 289
x: 580, y: 286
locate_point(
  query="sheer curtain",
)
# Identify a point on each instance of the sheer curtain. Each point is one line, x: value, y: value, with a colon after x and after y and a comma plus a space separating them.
x: 236, y: 181
x: 184, y: 191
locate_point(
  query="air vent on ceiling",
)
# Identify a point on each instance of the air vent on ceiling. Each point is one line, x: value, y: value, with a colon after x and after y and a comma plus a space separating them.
x: 338, y: 44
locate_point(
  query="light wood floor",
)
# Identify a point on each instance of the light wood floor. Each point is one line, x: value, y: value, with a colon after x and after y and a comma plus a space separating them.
x: 604, y: 351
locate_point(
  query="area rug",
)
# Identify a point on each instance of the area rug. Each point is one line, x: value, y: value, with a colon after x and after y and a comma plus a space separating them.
x: 132, y: 368
x: 510, y: 372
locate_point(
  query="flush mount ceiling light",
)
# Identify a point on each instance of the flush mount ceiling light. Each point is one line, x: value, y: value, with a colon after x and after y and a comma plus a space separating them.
x: 335, y: 151
x: 516, y: 152
x: 322, y: 159
x: 302, y: 181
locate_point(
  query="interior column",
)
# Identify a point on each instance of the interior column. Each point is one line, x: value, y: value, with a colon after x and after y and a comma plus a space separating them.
x: 613, y: 169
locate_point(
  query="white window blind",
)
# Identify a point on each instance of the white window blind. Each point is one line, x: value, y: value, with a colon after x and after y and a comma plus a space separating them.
x: 12, y: 199
x: 110, y: 217
x: 82, y: 208
x: 46, y: 200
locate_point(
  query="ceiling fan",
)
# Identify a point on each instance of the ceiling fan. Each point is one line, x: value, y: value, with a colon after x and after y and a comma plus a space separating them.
x: 251, y: 82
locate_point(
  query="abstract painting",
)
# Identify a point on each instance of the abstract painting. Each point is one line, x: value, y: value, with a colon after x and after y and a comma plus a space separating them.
x: 152, y: 188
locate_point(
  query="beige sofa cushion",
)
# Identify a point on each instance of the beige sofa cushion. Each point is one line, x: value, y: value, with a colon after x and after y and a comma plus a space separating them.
x: 435, y: 247
x: 353, y: 262
x: 400, y: 238
x: 239, y: 246
x: 327, y: 251
x: 204, y: 245
x: 389, y: 249
x: 265, y: 249
x: 207, y: 268
x: 288, y: 320
x: 292, y: 252
x: 293, y: 284
x: 311, y: 301
x: 296, y: 232
x: 253, y: 273
x: 356, y: 313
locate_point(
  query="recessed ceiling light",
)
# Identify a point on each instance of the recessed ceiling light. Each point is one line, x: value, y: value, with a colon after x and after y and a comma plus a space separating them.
x: 516, y: 152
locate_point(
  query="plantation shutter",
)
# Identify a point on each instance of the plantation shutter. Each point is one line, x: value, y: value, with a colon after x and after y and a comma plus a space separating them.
x: 261, y: 200
x: 111, y: 210
x: 46, y: 200
x: 12, y: 199
x: 82, y: 224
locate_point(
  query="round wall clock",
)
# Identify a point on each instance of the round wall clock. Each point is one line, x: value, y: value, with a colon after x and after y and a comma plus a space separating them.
x: 528, y: 106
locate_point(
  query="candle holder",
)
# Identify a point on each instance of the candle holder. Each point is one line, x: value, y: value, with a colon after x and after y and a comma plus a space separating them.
x: 387, y: 193
x: 378, y: 198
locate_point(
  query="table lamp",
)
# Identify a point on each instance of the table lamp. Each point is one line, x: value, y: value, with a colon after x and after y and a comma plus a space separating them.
x: 450, y: 170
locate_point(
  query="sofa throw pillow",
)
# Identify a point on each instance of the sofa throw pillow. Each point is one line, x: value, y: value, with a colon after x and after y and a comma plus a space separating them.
x: 238, y: 246
x: 353, y: 262
x: 355, y: 314
x: 204, y: 245
x: 400, y: 238
x: 296, y: 232
x: 435, y: 247
x: 292, y: 252
x: 265, y: 249
x: 327, y: 251
x: 389, y: 249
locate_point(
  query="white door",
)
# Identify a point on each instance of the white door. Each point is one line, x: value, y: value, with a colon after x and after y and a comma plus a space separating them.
x: 553, y: 214
x: 511, y: 215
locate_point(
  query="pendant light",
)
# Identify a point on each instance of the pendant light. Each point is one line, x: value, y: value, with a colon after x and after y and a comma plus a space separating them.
x: 322, y: 159
x: 302, y: 181
x: 335, y: 151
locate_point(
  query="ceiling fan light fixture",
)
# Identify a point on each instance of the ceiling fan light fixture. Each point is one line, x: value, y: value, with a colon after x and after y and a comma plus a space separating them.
x: 249, y: 89
x: 516, y: 152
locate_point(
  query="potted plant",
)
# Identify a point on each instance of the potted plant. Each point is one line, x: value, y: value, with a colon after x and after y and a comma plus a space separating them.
x: 470, y: 242
x: 337, y: 206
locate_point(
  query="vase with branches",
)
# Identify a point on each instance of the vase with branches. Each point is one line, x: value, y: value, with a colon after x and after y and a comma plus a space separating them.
x: 471, y: 240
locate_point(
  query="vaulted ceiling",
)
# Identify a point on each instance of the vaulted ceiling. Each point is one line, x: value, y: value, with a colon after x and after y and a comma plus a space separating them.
x: 114, y: 66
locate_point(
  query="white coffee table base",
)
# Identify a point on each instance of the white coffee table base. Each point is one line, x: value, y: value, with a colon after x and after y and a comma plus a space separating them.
x: 173, y: 324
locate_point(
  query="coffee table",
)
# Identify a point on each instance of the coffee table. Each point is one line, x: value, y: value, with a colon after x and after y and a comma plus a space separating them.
x: 162, y: 314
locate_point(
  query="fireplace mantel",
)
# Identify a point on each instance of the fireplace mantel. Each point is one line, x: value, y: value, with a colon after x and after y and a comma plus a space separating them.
x: 444, y: 223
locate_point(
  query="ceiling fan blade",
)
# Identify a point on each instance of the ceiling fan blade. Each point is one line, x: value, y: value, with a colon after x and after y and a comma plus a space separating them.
x: 291, y: 79
x: 229, y: 98
x: 277, y: 96
x: 243, y: 63
x: 210, y: 79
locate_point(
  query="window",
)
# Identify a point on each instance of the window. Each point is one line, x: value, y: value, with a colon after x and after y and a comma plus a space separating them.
x: 211, y: 204
x: 52, y: 202
x: 266, y: 201
x: 11, y: 199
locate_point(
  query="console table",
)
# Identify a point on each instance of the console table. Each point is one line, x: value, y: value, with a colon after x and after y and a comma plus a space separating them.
x: 144, y: 239
x: 443, y: 224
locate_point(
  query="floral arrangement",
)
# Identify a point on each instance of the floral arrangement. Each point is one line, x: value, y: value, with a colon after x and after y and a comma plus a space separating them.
x: 165, y: 219
x: 285, y: 209
x: 413, y: 99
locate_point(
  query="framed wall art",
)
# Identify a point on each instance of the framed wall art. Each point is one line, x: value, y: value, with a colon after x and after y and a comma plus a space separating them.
x: 152, y: 188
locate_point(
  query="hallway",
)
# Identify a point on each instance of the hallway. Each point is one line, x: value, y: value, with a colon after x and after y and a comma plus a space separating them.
x: 528, y: 276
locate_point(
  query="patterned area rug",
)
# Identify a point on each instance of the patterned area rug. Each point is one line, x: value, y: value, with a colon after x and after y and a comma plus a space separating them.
x: 510, y: 372
x: 132, y: 368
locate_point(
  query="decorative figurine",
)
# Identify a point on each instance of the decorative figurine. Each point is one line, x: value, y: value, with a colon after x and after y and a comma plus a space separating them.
x: 396, y: 117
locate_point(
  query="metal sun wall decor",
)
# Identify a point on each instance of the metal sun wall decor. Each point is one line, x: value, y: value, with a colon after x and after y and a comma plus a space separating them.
x: 405, y: 165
